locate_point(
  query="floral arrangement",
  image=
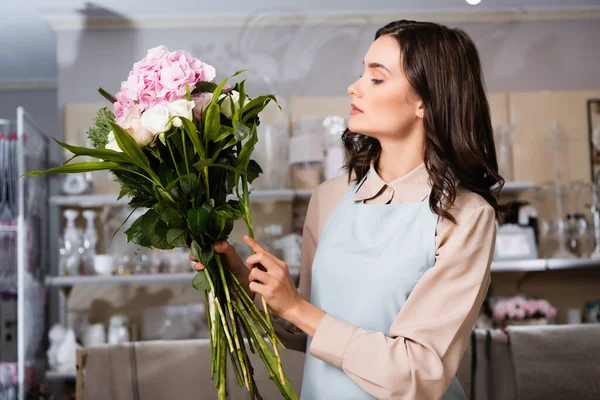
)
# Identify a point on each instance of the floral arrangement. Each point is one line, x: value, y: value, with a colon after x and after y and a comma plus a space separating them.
x: 180, y: 147
x: 521, y: 308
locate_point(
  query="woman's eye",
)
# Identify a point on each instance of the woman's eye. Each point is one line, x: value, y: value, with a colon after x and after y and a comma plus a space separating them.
x: 376, y: 81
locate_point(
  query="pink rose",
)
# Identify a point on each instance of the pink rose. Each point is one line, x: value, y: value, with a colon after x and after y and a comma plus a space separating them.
x: 202, y: 101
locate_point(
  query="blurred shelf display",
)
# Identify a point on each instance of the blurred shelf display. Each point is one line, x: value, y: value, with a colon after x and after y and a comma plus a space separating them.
x: 567, y: 263
x: 519, y: 265
x: 58, y: 376
x: 513, y: 187
x: 139, y: 279
x: 107, y: 200
x: 544, y: 264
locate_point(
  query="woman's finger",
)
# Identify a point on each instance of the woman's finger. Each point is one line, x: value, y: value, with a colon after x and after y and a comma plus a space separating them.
x: 232, y: 258
x: 192, y: 258
x: 262, y: 290
x: 256, y: 275
x: 254, y: 245
x: 262, y: 259
x: 198, y: 266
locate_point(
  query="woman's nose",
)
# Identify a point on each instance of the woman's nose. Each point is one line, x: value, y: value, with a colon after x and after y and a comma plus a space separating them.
x: 353, y: 89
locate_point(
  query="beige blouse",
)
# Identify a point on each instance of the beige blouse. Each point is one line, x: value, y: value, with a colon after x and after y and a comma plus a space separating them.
x: 427, y: 340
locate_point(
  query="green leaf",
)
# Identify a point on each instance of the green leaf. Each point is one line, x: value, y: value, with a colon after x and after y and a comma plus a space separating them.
x: 149, y: 231
x: 188, y: 177
x: 172, y: 217
x: 256, y: 106
x: 200, y: 165
x: 242, y: 91
x: 253, y: 170
x: 77, y: 168
x: 204, y: 256
x: 142, y: 202
x: 127, y: 143
x: 166, y: 176
x: 190, y: 129
x: 212, y: 121
x: 158, y: 238
x: 221, y: 222
x: 188, y: 95
x: 197, y: 220
x: 200, y: 282
x: 176, y: 237
x: 205, y: 87
x: 217, y: 91
x: 135, y: 233
x: 225, y: 131
x: 165, y: 197
x: 245, y: 154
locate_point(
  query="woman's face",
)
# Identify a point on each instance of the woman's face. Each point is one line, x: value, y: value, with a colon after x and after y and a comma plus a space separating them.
x: 384, y: 104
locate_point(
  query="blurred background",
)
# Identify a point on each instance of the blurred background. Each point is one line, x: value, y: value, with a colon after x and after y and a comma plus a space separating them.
x: 67, y: 283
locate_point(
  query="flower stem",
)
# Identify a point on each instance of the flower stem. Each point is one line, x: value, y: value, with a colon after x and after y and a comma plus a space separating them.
x: 248, y: 219
x: 232, y: 319
x: 187, y: 167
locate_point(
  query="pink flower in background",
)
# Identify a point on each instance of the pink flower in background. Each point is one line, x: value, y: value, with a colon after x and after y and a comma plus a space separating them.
x: 517, y: 307
x: 500, y: 311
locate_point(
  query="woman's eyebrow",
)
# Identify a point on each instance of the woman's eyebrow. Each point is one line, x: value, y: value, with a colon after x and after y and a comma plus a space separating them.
x: 378, y: 65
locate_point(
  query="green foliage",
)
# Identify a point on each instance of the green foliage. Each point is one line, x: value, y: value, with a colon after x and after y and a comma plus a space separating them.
x: 98, y: 133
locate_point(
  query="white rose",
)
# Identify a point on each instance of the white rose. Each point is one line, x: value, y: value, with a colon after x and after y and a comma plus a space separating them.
x: 112, y: 143
x: 226, y: 108
x: 181, y: 108
x: 132, y: 123
x: 156, y: 119
x: 142, y: 136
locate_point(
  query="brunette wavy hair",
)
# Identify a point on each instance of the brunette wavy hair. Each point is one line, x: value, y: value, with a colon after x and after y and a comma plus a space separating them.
x: 442, y: 65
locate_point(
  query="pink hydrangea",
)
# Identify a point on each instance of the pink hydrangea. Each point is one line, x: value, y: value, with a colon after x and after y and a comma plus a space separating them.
x: 160, y: 78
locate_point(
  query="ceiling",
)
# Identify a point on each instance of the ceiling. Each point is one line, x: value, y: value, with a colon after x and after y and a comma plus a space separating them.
x: 28, y: 45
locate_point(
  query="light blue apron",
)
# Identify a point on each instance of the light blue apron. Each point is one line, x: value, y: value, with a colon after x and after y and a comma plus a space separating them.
x: 369, y: 258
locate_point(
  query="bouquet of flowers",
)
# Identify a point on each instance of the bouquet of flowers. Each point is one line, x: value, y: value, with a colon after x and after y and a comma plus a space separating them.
x: 519, y: 308
x: 180, y: 146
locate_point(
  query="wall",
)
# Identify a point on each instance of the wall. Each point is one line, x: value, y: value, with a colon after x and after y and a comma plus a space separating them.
x: 321, y: 60
x: 41, y: 104
x: 537, y: 71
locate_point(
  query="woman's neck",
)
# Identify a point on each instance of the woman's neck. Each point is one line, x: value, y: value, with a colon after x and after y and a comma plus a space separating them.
x: 398, y: 158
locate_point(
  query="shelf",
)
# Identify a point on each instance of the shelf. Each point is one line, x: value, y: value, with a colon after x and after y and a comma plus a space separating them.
x: 519, y: 265
x: 514, y: 187
x: 108, y: 200
x: 60, y: 376
x: 544, y: 264
x: 141, y: 279
x: 569, y: 263
x: 157, y: 279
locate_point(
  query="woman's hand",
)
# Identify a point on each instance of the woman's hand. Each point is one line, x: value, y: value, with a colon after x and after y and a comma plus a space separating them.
x: 275, y: 284
x: 233, y: 261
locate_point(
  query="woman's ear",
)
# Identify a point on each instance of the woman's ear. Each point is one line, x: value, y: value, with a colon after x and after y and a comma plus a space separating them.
x: 420, y: 113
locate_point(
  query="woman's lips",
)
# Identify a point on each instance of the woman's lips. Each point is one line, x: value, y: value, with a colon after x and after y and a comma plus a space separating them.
x: 355, y: 110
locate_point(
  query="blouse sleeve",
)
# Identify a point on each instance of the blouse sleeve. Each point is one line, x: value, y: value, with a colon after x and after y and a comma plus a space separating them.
x: 421, y: 353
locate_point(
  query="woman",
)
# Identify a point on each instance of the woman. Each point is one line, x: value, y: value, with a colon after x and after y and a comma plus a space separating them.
x: 396, y: 255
